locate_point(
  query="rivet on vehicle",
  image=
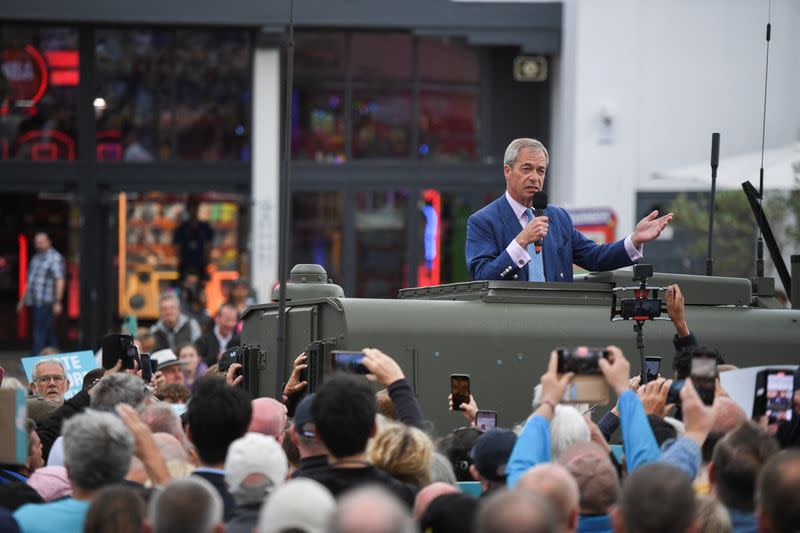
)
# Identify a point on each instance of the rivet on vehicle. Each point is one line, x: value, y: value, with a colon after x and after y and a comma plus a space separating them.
x: 520, y: 357
x: 499, y: 361
x: 436, y: 354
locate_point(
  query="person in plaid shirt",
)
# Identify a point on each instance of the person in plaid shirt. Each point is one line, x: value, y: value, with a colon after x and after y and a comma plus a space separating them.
x: 44, y: 291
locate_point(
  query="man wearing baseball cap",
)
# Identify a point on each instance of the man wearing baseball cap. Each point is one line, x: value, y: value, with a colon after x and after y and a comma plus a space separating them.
x: 254, y: 467
x: 490, y: 456
x: 313, y: 453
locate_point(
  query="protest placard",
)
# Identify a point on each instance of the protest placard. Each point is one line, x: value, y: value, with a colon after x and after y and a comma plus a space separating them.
x: 76, y: 364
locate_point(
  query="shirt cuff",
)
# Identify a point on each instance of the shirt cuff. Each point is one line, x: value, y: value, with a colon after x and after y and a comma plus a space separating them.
x: 518, y: 254
x: 634, y: 253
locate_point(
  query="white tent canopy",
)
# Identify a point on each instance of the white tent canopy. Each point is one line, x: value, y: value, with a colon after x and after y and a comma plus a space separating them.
x: 781, y: 167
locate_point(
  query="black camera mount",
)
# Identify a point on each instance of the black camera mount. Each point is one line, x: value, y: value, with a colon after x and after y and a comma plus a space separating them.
x: 644, y: 306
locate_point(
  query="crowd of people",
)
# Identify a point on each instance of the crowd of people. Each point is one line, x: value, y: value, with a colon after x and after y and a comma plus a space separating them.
x: 192, y: 451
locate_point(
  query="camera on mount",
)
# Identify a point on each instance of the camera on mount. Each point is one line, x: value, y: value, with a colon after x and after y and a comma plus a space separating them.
x: 645, y: 305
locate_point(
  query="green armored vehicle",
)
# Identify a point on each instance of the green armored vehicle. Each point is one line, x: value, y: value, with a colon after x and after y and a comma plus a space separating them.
x: 502, y: 332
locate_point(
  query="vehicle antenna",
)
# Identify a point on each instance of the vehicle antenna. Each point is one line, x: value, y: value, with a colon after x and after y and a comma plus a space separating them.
x: 711, y: 207
x: 284, y: 207
x: 760, y: 245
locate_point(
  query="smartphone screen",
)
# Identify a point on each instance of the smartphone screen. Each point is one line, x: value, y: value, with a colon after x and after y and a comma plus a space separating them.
x: 704, y: 374
x: 348, y: 361
x: 653, y: 365
x: 147, y: 368
x: 780, y: 389
x: 459, y: 389
x: 486, y: 420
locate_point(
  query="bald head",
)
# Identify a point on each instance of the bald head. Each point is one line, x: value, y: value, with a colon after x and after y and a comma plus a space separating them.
x: 513, y: 511
x: 371, y: 510
x: 430, y: 493
x: 556, y: 484
x: 269, y: 418
x: 171, y: 448
x: 727, y: 415
x: 596, y: 477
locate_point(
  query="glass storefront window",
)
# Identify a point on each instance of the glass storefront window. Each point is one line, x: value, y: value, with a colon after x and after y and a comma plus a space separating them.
x: 39, y: 76
x: 318, y: 125
x: 381, y: 124
x: 448, y: 126
x: 149, y: 253
x: 447, y: 60
x: 213, y: 100
x: 382, y: 56
x: 320, y: 55
x: 381, y: 231
x: 317, y: 231
x: 133, y: 114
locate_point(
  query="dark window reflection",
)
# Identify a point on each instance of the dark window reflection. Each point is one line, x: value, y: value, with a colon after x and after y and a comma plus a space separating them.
x: 382, y: 56
x: 318, y: 124
x: 381, y: 124
x: 447, y: 60
x: 132, y: 97
x: 317, y: 231
x: 320, y: 55
x: 39, y: 76
x: 212, y: 111
x: 448, y: 126
x: 381, y: 263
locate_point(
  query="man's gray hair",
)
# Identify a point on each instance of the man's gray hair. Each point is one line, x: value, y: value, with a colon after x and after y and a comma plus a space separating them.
x: 46, y: 361
x: 190, y: 505
x: 169, y: 295
x: 442, y: 469
x: 568, y: 427
x: 97, y: 449
x: 161, y: 418
x: 512, y: 152
x: 118, y: 388
x: 371, y: 508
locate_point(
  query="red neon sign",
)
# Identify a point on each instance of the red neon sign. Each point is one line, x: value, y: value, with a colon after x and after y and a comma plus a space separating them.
x: 26, y: 72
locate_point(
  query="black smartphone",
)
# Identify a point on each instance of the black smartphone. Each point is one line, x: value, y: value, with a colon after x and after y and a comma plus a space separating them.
x: 581, y: 360
x: 773, y: 395
x: 704, y: 377
x: 348, y: 361
x: 153, y: 366
x: 147, y: 369
x: 653, y: 365
x: 486, y: 420
x: 640, y: 308
x: 118, y: 346
x: 459, y: 389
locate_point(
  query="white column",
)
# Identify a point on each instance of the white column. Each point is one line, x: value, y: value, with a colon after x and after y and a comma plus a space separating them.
x: 266, y: 171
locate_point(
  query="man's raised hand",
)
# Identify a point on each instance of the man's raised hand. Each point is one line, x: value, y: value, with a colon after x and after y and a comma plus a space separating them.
x: 649, y: 228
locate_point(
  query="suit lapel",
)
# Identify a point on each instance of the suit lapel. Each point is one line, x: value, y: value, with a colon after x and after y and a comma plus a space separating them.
x: 511, y: 227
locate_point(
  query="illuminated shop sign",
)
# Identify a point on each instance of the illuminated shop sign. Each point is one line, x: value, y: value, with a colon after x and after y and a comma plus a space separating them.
x: 26, y: 73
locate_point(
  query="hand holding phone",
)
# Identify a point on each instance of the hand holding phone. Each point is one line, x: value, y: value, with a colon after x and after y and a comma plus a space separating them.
x: 486, y: 420
x: 348, y: 362
x: 459, y: 390
x: 653, y: 365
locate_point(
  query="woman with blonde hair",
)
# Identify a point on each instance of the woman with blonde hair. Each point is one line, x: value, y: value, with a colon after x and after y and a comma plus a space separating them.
x: 404, y: 452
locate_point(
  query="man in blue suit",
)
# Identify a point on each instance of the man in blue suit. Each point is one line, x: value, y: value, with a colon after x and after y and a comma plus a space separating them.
x: 501, y: 236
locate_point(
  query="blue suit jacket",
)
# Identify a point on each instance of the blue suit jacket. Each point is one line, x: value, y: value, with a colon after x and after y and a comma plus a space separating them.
x: 491, y: 230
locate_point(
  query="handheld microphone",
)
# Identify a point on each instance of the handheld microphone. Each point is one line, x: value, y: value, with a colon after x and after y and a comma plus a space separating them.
x: 539, y: 205
x: 714, y: 154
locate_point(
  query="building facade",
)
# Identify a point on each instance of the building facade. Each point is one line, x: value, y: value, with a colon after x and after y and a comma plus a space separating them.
x: 115, y: 116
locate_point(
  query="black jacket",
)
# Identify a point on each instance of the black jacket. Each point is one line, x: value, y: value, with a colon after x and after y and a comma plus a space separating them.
x: 50, y: 429
x: 218, y: 480
x: 209, y: 349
